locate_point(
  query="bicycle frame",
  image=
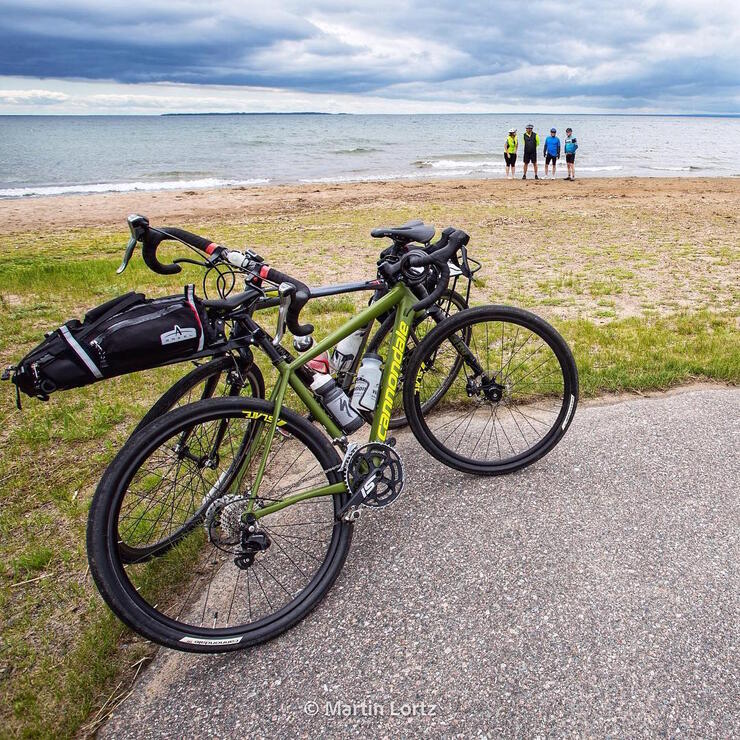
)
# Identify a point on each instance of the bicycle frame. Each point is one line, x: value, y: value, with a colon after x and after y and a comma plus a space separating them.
x: 400, y: 298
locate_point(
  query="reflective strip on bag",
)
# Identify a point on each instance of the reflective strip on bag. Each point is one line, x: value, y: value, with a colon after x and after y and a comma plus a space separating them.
x: 77, y: 349
x: 190, y: 297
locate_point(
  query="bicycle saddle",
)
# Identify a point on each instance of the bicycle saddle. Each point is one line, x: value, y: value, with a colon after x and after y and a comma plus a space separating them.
x: 411, y: 231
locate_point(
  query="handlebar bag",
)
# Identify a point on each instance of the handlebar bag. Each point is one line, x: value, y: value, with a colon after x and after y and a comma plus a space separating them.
x: 121, y: 336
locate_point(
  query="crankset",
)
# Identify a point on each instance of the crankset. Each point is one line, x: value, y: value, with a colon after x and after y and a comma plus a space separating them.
x: 374, y: 477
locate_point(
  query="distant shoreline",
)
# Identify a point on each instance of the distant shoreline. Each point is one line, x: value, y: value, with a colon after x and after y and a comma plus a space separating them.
x: 332, y: 113
x: 264, y: 113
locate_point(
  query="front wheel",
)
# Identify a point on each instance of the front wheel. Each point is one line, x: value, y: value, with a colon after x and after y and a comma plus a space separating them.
x: 235, y: 580
x: 513, y: 396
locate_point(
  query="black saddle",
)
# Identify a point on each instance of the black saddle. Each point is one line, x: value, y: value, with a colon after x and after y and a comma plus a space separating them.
x: 411, y: 231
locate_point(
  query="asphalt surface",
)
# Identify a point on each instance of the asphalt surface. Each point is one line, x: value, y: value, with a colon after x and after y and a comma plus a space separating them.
x: 593, y: 594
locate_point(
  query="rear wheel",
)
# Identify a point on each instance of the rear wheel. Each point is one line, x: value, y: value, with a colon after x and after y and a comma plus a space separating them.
x: 223, y: 586
x: 509, y: 388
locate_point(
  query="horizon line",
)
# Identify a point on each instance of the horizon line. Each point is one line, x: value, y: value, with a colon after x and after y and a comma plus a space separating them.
x: 341, y: 113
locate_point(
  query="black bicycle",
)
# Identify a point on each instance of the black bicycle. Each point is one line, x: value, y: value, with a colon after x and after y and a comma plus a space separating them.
x: 234, y: 373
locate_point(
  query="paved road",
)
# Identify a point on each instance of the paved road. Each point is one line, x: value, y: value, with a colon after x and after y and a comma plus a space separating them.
x: 593, y: 594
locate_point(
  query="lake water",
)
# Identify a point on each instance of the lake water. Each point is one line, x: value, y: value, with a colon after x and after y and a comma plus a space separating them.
x: 44, y: 155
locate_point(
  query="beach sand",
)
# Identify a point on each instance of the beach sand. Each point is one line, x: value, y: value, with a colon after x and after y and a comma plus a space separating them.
x: 692, y: 197
x: 597, y: 249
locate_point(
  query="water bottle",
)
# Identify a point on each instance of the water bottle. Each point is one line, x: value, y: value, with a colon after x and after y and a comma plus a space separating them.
x: 365, y: 396
x: 345, y: 351
x: 336, y: 402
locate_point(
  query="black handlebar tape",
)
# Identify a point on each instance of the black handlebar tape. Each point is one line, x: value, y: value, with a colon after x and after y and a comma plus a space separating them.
x: 154, y: 237
x: 302, y: 294
x: 436, y: 294
x: 416, y: 259
x: 457, y: 239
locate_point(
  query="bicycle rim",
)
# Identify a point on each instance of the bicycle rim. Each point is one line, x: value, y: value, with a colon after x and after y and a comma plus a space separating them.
x: 504, y: 409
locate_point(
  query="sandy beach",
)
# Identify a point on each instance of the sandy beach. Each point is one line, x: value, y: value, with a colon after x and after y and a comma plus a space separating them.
x: 594, y: 248
x: 685, y: 197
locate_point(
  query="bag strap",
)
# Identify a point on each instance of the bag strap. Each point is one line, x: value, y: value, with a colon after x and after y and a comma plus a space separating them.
x: 80, y: 352
x: 125, y: 302
x: 190, y: 298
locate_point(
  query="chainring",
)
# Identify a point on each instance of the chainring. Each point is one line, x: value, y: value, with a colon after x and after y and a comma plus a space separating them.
x: 386, y: 462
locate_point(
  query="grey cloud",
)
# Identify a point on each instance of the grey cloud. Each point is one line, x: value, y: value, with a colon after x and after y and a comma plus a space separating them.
x: 469, y: 51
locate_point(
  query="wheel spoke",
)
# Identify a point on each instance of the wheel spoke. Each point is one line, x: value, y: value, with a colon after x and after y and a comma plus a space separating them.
x: 497, y: 416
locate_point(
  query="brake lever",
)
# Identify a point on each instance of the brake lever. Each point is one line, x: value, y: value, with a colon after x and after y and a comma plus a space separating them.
x: 465, y: 266
x: 285, y: 291
x: 127, y: 254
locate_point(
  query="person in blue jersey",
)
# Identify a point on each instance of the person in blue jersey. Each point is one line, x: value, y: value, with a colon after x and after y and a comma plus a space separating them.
x: 571, y: 145
x: 551, y: 152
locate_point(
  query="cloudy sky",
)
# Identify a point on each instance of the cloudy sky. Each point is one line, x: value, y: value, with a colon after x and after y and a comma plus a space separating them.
x: 376, y: 56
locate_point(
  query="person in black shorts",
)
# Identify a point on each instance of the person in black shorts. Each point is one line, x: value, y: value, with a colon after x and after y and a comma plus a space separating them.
x: 510, y: 148
x: 551, y: 152
x: 571, y: 145
x: 531, y: 142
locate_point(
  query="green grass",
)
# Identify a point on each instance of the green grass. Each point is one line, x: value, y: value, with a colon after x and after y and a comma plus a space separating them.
x: 623, y: 291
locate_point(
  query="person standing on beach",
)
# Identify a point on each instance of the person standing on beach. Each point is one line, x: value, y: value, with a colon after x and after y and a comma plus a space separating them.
x: 571, y: 144
x: 512, y: 144
x: 531, y: 142
x: 551, y: 151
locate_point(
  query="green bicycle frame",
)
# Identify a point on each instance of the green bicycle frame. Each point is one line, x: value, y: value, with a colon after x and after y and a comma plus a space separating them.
x: 399, y: 296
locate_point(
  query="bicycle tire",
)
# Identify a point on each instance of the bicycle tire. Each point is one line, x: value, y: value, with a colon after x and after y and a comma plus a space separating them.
x: 436, y: 343
x: 127, y: 601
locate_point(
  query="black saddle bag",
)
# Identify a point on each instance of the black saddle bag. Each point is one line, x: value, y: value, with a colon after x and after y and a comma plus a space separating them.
x: 126, y: 334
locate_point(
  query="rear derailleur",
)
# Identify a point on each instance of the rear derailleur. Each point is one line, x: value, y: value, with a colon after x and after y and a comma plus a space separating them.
x: 253, y: 540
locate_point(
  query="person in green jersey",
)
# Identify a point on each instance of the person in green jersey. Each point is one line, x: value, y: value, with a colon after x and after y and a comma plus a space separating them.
x: 510, y: 147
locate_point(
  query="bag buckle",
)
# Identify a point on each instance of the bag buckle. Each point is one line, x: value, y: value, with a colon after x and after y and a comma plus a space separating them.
x: 9, y: 374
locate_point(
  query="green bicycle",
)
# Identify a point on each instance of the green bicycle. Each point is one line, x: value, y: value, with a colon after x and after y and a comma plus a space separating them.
x: 253, y: 500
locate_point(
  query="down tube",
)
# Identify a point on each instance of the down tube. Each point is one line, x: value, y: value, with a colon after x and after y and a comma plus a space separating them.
x: 389, y: 384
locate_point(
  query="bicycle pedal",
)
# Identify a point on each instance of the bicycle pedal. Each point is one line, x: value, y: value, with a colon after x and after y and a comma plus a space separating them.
x: 352, y: 515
